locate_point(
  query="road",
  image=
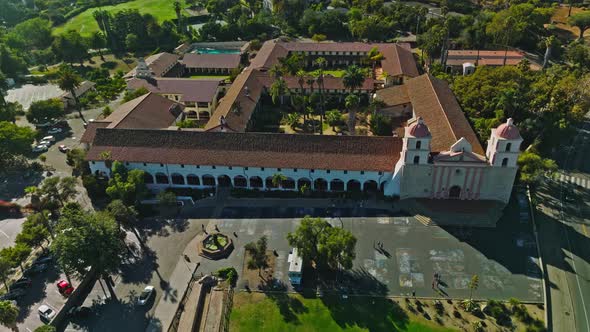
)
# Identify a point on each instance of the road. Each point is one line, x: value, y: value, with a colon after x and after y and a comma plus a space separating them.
x: 564, y: 230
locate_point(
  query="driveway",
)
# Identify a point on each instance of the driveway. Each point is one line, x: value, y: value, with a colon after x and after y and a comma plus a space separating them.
x: 9, y: 229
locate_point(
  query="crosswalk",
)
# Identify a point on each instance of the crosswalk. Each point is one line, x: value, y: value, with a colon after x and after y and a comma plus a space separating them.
x: 582, y: 182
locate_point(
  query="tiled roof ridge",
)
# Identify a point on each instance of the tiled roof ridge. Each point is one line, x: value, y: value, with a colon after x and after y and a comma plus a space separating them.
x: 430, y: 77
x: 142, y: 98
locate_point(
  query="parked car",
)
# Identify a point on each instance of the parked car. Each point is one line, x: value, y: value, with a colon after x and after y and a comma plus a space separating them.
x: 13, y: 294
x: 64, y: 288
x: 40, y: 148
x: 63, y: 148
x: 79, y: 312
x: 46, y: 143
x: 54, y: 130
x: 36, y: 268
x: 145, y: 295
x: 20, y: 284
x: 46, y: 313
x: 43, y: 259
x: 49, y: 138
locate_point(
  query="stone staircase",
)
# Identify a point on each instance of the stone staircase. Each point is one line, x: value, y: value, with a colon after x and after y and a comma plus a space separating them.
x: 454, y: 212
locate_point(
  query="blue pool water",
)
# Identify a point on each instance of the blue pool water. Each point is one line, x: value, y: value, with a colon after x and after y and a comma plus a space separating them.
x: 209, y: 50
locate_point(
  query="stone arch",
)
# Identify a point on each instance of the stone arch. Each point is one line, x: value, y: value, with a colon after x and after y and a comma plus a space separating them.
x: 336, y: 185
x: 268, y: 183
x: 255, y: 182
x: 208, y: 180
x: 224, y: 181
x: 370, y: 186
x: 455, y: 192
x: 193, y: 180
x: 504, y: 162
x: 240, y: 181
x: 177, y: 178
x: 304, y: 182
x: 353, y: 185
x: 320, y: 184
x: 162, y: 178
x: 148, y: 178
x: 288, y: 183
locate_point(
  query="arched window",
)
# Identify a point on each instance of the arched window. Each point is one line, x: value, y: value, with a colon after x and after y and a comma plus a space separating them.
x: 177, y: 178
x: 255, y: 182
x: 418, y: 145
x: 208, y: 180
x: 508, y: 146
x: 416, y: 159
x: 455, y: 192
x: 353, y: 185
x: 240, y: 181
x: 161, y: 178
x: 193, y: 180
x: 320, y: 184
x: 337, y: 185
x: 504, y: 162
x: 148, y: 178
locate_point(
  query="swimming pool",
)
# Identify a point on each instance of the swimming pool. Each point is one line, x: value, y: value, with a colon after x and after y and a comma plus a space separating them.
x: 209, y: 50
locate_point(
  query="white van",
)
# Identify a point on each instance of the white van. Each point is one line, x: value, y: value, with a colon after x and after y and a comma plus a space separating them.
x: 295, y: 267
x: 48, y: 138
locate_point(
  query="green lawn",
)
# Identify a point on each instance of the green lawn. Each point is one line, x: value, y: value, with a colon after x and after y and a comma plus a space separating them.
x: 282, y: 312
x: 335, y: 73
x: 210, y: 77
x: 86, y: 24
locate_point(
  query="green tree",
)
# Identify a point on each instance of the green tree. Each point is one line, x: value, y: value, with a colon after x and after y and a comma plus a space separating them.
x: 126, y: 185
x: 352, y: 103
x: 132, y: 42
x: 30, y: 34
x: 57, y: 191
x: 292, y: 120
x: 167, y: 201
x: 16, y: 255
x: 278, y: 89
x: 5, y: 269
x: 123, y: 214
x: 98, y: 42
x: 578, y: 54
x: 71, y: 47
x: 134, y: 94
x: 316, y: 240
x: 14, y: 140
x: 44, y: 110
x: 8, y: 314
x: 45, y: 328
x: 32, y: 234
x: 334, y: 117
x: 374, y: 57
x: 9, y: 111
x: 69, y: 81
x: 580, y: 20
x: 381, y: 125
x: 318, y: 37
x: 353, y: 78
x: 258, y: 256
x: 76, y: 159
x: 533, y: 167
x: 88, y: 240
x: 177, y: 8
x: 321, y: 63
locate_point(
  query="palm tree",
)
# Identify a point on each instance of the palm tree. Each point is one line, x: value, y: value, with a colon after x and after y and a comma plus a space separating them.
x: 353, y: 78
x: 69, y: 81
x: 277, y: 180
x: 352, y: 103
x: 374, y: 56
x: 293, y: 120
x: 177, y: 9
x: 321, y: 63
x: 278, y: 89
x: 301, y: 76
x: 276, y: 71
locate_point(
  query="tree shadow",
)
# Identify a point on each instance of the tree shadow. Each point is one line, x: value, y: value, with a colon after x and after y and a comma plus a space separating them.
x: 42, y: 283
x: 371, y: 313
x: 289, y: 306
x: 140, y: 271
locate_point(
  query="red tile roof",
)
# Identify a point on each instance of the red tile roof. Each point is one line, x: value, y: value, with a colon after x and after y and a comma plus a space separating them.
x: 159, y: 63
x: 248, y: 149
x: 433, y: 100
x: 147, y: 111
x: 226, y: 61
x: 489, y: 58
x: 192, y: 90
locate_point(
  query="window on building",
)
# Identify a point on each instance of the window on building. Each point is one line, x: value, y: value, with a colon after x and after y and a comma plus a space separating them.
x: 278, y: 169
x: 380, y: 173
x: 181, y: 166
x: 313, y: 170
x: 328, y: 171
x: 345, y: 172
x: 230, y: 168
x: 126, y: 163
x: 508, y: 146
x: 213, y: 167
x: 295, y: 170
x: 262, y: 168
x: 362, y: 172
x: 144, y: 164
x: 245, y: 168
x: 416, y: 159
x: 418, y: 145
x: 161, y: 165
x: 93, y: 163
x: 504, y: 162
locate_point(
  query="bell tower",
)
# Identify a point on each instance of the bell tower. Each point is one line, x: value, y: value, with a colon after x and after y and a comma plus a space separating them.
x: 504, y: 145
x: 416, y: 143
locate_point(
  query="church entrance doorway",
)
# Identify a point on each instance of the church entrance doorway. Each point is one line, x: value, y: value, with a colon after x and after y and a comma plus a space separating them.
x: 455, y: 192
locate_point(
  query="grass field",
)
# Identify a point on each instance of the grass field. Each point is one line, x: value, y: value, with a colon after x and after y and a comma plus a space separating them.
x: 560, y: 18
x: 86, y: 24
x: 282, y: 312
x: 205, y: 77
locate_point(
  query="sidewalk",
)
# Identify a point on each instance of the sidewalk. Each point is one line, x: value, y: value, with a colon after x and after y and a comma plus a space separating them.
x: 177, y: 284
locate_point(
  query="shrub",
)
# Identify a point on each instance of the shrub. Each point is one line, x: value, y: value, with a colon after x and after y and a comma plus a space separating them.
x: 228, y: 273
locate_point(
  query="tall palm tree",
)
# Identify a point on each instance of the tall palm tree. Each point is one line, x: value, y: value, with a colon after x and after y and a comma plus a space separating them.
x: 352, y: 103
x: 374, y: 56
x: 276, y: 71
x: 177, y: 9
x: 321, y: 63
x: 548, y: 48
x: 353, y: 78
x: 69, y: 81
x: 278, y: 89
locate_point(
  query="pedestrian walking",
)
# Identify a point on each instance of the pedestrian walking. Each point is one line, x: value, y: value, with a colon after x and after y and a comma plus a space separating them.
x: 414, y: 294
x: 216, y: 228
x: 186, y: 258
x: 235, y: 234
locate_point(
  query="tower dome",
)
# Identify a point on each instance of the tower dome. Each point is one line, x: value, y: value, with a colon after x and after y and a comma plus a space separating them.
x: 508, y: 130
x: 419, y: 129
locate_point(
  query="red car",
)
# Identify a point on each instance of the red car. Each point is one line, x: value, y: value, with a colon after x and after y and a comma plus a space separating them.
x: 64, y: 288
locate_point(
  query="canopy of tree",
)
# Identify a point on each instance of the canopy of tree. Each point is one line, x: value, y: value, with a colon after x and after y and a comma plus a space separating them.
x: 45, y: 110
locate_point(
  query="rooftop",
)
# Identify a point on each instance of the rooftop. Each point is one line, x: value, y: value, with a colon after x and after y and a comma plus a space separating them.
x: 192, y: 90
x: 248, y: 149
x: 159, y: 64
x: 226, y: 61
x: 489, y: 58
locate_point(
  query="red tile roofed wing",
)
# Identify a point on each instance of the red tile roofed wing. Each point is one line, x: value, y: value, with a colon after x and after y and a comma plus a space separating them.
x: 433, y: 100
x: 268, y: 55
x: 236, y: 96
x: 158, y: 63
x: 192, y: 90
x: 248, y: 149
x: 490, y: 58
x: 90, y: 131
x: 227, y: 61
x: 394, y: 95
x: 330, y: 83
x: 398, y: 60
